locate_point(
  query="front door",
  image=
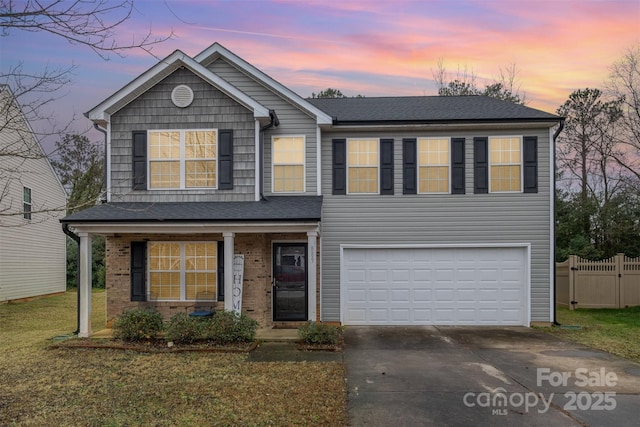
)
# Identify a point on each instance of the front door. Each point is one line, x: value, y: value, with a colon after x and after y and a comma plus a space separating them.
x: 289, y: 281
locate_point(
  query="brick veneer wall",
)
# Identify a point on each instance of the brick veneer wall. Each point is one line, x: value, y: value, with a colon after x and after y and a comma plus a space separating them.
x: 257, y: 287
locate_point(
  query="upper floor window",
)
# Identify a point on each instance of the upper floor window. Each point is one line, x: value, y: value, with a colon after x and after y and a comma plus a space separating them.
x: 288, y: 164
x: 505, y: 164
x: 26, y: 202
x: 183, y: 159
x: 183, y: 271
x: 433, y: 165
x: 362, y: 166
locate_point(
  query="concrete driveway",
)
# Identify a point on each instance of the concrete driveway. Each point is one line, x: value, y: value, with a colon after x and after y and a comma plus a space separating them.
x: 479, y: 376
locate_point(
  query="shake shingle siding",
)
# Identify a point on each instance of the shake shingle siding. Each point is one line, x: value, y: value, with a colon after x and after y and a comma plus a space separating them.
x: 210, y: 109
x: 293, y: 121
x: 437, y: 219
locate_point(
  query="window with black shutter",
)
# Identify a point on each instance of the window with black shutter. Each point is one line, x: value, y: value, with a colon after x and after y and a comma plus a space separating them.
x: 339, y: 166
x: 225, y: 154
x: 138, y: 271
x: 409, y: 166
x: 139, y: 154
x: 386, y: 166
x: 480, y: 165
x: 530, y: 164
x: 457, y: 166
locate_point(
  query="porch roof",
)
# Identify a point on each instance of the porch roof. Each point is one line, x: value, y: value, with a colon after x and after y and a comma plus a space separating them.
x: 279, y: 208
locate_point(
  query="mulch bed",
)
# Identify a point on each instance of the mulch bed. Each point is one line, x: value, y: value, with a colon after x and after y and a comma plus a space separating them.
x: 154, y: 346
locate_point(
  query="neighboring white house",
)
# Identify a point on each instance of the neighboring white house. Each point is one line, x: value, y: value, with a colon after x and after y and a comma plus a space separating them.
x: 32, y: 201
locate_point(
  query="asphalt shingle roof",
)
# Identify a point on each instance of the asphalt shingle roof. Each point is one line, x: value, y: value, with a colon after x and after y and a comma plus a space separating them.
x: 426, y: 109
x: 294, y: 208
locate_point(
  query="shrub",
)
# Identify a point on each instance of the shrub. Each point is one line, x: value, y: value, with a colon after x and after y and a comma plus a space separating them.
x: 137, y: 325
x: 319, y: 333
x: 183, y: 329
x: 229, y: 327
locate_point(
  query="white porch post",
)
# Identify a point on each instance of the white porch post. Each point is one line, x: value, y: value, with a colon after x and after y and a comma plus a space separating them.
x: 312, y: 263
x: 85, y: 285
x: 228, y: 270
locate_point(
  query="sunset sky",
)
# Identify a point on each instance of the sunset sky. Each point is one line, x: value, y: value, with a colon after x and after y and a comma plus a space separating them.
x: 373, y: 48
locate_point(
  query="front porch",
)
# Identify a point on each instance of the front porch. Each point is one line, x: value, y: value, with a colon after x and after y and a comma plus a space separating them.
x: 257, y: 297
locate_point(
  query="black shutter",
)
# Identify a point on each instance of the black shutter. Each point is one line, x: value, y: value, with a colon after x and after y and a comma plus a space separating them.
x: 225, y: 159
x: 220, y: 271
x: 138, y: 271
x: 386, y: 166
x: 409, y: 166
x: 530, y: 164
x: 339, y: 149
x: 139, y: 155
x: 457, y: 166
x: 481, y: 165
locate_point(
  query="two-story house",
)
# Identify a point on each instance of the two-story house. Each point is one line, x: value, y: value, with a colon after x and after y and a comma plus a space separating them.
x: 394, y: 211
x: 32, y: 201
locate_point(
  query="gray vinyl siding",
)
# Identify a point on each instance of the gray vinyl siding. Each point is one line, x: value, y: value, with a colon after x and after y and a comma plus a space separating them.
x: 437, y: 219
x: 293, y: 121
x: 210, y: 109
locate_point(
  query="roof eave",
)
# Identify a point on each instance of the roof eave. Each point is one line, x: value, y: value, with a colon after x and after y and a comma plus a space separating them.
x: 550, y: 120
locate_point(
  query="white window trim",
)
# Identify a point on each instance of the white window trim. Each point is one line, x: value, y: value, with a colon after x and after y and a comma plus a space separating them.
x: 349, y: 167
x: 434, y: 165
x: 24, y: 202
x: 520, y: 137
x: 183, y: 160
x: 304, y: 164
x: 183, y: 285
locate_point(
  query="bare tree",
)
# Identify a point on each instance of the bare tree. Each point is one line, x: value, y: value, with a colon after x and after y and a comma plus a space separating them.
x: 464, y: 82
x: 624, y: 83
x: 93, y: 24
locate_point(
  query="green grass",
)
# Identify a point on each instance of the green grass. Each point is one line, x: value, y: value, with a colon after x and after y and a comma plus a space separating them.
x: 616, y: 331
x: 70, y: 387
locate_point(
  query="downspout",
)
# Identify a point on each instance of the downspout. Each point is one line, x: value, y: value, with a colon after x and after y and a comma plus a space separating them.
x: 74, y: 236
x: 274, y: 122
x: 555, y: 137
x: 104, y: 132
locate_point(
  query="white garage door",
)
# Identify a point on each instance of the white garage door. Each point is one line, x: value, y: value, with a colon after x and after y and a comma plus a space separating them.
x: 434, y: 286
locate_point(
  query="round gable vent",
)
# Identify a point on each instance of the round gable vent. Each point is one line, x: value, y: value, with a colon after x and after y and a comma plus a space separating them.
x: 182, y: 96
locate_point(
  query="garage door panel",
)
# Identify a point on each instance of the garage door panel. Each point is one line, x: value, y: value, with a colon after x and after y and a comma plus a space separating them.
x: 401, y: 295
x: 448, y: 286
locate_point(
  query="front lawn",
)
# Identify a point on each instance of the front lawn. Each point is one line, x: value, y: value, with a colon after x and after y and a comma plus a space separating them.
x: 616, y: 331
x: 69, y: 387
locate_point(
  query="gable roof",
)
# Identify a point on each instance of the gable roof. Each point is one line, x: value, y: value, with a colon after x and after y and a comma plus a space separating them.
x: 283, y: 208
x: 162, y: 69
x: 427, y: 109
x: 216, y: 50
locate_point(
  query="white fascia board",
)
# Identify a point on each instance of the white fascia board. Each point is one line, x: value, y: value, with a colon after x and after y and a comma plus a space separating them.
x: 99, y: 113
x: 322, y: 118
x: 107, y: 228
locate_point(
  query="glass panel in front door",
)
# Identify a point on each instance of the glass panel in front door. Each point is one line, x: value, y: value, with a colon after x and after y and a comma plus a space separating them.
x: 290, y: 281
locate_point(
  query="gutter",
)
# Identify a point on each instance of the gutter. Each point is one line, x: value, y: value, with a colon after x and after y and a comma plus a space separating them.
x: 74, y: 236
x: 553, y: 254
x: 273, y: 123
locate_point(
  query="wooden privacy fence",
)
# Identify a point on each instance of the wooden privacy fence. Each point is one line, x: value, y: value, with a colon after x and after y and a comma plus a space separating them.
x: 610, y: 283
